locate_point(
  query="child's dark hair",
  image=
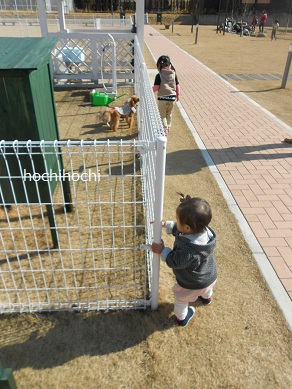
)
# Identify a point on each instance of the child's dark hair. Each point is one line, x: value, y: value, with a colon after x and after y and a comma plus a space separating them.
x: 195, y: 212
x: 164, y: 62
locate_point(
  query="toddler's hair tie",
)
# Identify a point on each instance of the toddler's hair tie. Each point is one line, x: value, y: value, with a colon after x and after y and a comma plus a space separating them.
x: 183, y: 197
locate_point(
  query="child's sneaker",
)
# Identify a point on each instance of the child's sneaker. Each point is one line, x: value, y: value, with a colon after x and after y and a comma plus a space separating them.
x: 185, y: 321
x: 205, y: 301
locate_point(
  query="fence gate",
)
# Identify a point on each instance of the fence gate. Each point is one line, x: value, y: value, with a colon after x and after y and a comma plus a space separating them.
x: 97, y: 262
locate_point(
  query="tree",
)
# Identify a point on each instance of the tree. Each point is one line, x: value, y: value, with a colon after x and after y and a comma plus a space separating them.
x: 289, y: 11
x: 235, y: 8
x: 245, y: 9
x: 195, y: 9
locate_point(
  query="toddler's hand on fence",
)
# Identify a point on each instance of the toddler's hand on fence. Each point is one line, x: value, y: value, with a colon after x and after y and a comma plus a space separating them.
x: 163, y: 223
x: 157, y: 248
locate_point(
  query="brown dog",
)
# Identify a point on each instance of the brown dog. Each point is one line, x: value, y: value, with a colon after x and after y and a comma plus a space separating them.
x: 111, y: 116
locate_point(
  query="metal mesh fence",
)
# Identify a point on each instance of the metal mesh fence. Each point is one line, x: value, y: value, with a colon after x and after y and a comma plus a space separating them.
x: 150, y: 128
x: 79, y: 249
x: 74, y: 214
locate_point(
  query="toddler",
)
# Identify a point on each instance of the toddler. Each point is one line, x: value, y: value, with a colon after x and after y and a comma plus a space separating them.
x: 191, y: 259
x: 274, y: 29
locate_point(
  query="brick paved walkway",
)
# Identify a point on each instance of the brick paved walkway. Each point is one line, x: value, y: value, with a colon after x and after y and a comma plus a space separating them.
x: 243, y: 142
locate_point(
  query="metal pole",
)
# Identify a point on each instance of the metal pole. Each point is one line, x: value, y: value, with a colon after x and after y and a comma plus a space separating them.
x: 42, y: 17
x: 114, y: 65
x: 198, y: 22
x: 140, y: 7
x: 287, y: 68
x: 61, y: 15
x: 193, y: 15
x: 226, y: 10
x: 219, y: 8
x: 197, y: 33
x: 158, y: 212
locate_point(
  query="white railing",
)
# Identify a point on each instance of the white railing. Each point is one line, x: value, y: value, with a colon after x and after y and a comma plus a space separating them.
x: 18, y: 21
x: 87, y: 58
x: 123, y: 23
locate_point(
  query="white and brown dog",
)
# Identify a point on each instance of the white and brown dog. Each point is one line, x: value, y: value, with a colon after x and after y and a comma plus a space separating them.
x: 111, y: 115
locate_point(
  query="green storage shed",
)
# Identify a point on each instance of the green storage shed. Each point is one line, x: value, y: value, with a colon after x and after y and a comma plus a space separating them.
x: 27, y: 112
x: 26, y: 91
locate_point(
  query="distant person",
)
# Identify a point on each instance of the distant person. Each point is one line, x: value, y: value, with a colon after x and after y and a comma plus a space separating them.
x: 275, y: 27
x: 263, y: 21
x: 245, y: 32
x: 254, y: 23
x: 167, y: 85
x: 237, y: 28
x: 192, y: 257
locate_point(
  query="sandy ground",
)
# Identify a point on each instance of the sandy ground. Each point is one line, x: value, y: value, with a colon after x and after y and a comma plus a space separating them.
x: 240, y: 341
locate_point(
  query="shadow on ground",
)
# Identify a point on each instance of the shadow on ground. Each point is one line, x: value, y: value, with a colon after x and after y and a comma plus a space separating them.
x: 71, y: 335
x: 191, y: 160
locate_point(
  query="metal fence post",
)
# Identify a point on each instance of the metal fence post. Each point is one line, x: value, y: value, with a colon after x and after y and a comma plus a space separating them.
x: 197, y: 33
x: 158, y: 212
x: 287, y: 68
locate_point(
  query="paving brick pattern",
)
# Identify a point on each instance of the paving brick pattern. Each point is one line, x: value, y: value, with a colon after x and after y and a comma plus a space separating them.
x: 245, y: 143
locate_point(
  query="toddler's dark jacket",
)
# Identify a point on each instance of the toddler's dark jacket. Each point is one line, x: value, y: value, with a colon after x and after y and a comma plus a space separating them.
x: 193, y: 265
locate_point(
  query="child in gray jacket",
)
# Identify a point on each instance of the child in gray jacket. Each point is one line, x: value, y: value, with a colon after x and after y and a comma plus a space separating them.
x: 192, y: 257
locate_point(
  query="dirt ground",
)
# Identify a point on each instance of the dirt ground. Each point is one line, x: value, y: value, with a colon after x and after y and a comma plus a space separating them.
x: 240, y: 341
